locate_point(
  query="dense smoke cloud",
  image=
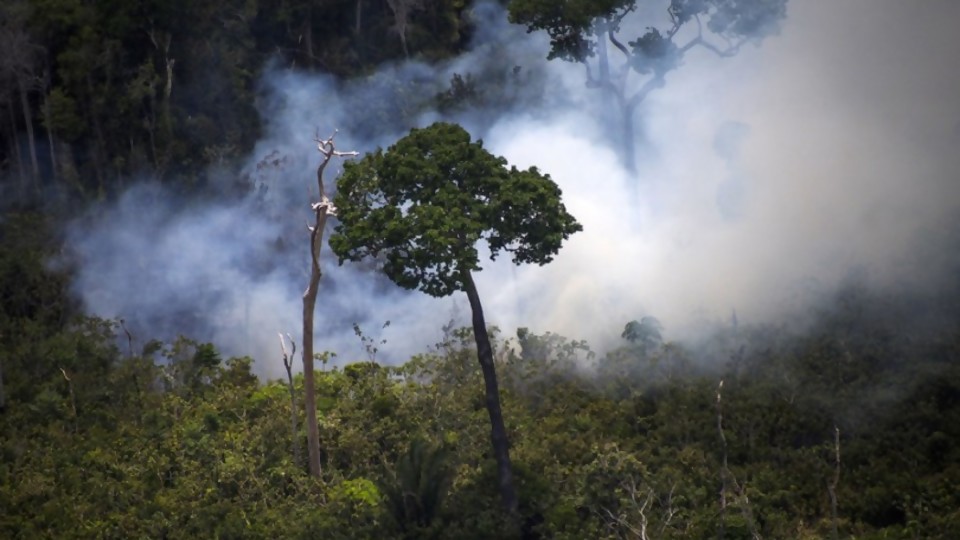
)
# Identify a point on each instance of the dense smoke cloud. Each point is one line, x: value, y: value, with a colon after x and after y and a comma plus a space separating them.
x: 762, y: 178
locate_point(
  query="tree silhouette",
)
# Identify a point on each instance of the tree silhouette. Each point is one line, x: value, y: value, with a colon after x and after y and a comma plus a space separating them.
x: 423, y: 205
x: 581, y: 31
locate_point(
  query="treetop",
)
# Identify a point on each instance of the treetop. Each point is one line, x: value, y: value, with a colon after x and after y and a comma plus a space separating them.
x: 573, y: 25
x: 422, y: 205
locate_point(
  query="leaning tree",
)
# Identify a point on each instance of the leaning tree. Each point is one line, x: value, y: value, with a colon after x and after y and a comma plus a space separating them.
x: 584, y: 30
x: 422, y: 206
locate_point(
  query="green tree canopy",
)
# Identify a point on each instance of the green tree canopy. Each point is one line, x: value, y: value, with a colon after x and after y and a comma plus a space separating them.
x: 425, y: 203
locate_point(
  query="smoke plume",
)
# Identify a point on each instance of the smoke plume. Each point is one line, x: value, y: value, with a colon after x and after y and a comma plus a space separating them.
x: 763, y: 179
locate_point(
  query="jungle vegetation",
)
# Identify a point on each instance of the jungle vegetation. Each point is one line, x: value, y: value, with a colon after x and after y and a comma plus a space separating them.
x: 843, y: 424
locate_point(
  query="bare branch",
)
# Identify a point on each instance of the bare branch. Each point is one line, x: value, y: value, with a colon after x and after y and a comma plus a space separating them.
x: 617, y: 44
x: 670, y: 510
x: 283, y: 347
x: 623, y: 522
x: 643, y: 515
x: 321, y: 210
x: 731, y: 50
x: 288, y: 365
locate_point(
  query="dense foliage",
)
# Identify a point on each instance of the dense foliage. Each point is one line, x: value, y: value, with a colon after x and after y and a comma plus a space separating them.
x: 845, y: 423
x: 172, y: 441
x: 93, y: 94
x: 424, y: 204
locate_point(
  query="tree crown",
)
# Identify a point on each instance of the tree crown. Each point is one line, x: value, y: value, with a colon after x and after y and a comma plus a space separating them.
x: 425, y: 203
x: 574, y: 25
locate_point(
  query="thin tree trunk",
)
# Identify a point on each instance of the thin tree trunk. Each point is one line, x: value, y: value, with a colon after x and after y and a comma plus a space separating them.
x: 53, y: 152
x: 309, y: 305
x: 321, y: 211
x: 133, y: 372
x: 603, y: 60
x: 629, y: 149
x: 308, y: 37
x: 99, y: 145
x: 16, y: 148
x: 28, y: 121
x: 288, y: 365
x: 498, y: 431
x: 359, y: 18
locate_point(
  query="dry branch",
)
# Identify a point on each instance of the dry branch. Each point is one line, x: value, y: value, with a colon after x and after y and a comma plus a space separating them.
x: 288, y: 365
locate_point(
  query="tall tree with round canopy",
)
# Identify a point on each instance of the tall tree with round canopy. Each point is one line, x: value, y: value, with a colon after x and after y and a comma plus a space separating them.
x: 423, y: 205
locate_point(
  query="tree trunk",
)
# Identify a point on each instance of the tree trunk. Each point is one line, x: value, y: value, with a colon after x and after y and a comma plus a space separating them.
x: 309, y: 305
x: 308, y: 37
x: 98, y: 147
x: 321, y: 210
x: 629, y: 149
x: 28, y: 122
x: 359, y: 18
x: 294, y: 440
x: 50, y: 141
x: 16, y: 148
x: 603, y: 61
x: 498, y: 431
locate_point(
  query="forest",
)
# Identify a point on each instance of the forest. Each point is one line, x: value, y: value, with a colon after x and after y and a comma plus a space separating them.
x: 174, y: 174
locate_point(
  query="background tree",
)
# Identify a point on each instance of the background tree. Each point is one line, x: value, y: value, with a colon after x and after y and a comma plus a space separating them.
x: 579, y: 31
x: 645, y: 333
x: 170, y: 442
x: 401, y: 12
x: 288, y: 366
x: 423, y: 206
x: 19, y: 73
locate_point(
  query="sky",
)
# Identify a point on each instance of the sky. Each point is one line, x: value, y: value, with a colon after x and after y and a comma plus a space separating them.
x: 827, y: 151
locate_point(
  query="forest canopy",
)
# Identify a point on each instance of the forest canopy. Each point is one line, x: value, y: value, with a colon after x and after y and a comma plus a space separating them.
x: 156, y: 122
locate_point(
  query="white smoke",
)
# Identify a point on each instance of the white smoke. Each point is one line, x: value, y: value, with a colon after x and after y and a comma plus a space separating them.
x: 832, y: 146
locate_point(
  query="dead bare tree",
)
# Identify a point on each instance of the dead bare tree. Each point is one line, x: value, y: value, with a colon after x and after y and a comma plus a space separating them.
x: 321, y: 211
x: 288, y: 365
